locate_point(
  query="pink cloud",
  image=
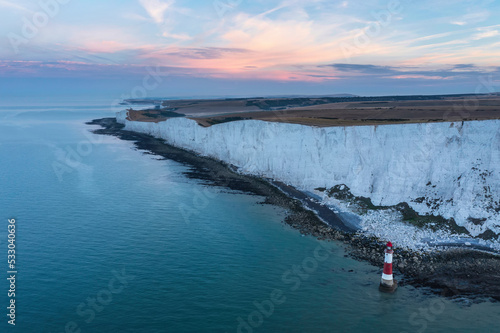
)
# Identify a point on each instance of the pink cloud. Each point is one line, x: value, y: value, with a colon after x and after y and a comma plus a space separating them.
x: 105, y: 46
x: 413, y: 76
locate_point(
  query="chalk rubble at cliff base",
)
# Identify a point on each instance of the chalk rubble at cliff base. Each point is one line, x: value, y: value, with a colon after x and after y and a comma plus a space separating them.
x: 388, y: 224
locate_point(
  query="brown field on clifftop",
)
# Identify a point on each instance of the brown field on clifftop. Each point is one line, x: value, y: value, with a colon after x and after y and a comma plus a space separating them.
x: 323, y: 114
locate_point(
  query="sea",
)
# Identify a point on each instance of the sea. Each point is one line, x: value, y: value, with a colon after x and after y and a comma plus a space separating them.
x: 109, y: 238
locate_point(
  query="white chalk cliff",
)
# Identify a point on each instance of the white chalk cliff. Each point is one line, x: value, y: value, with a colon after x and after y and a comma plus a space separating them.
x: 448, y: 169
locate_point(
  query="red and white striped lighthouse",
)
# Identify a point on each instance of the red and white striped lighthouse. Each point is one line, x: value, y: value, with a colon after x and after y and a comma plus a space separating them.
x: 387, y: 283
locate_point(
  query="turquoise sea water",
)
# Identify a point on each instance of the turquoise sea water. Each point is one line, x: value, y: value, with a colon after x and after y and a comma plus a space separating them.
x: 113, y: 240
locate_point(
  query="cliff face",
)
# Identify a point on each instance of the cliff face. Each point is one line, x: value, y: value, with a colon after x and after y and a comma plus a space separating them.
x: 448, y: 169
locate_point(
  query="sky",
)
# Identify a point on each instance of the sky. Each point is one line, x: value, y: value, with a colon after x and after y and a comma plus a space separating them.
x: 148, y: 48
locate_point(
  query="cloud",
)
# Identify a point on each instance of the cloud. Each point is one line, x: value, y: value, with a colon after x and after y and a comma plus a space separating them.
x: 458, y: 71
x: 283, y: 41
x: 367, y: 69
x: 206, y: 53
x: 182, y: 37
x: 434, y: 36
x: 416, y: 76
x: 135, y: 17
x: 463, y: 66
x: 486, y: 34
x: 346, y: 74
x: 156, y: 8
x: 13, y: 5
x: 472, y: 18
x: 106, y: 46
x: 165, y: 14
x: 272, y: 40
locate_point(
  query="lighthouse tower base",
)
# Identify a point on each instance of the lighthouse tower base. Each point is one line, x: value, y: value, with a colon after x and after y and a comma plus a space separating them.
x: 388, y: 287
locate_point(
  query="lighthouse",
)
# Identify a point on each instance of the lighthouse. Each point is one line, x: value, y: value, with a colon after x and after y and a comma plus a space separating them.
x: 387, y: 283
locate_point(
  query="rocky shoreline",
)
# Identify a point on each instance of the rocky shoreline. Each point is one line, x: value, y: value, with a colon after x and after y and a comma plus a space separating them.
x: 449, y: 272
